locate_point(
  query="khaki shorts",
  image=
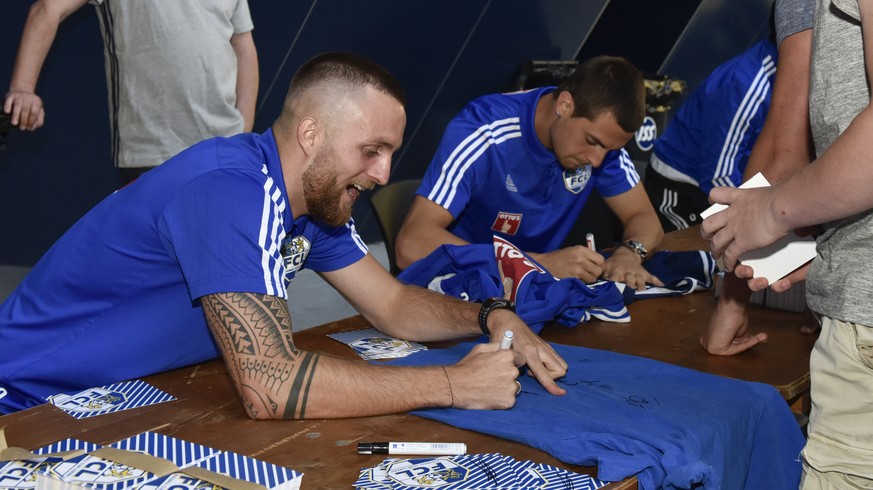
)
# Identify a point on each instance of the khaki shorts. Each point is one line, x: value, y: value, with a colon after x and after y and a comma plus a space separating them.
x: 840, y: 440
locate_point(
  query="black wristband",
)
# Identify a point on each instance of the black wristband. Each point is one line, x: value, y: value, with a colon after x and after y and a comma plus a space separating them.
x: 490, y: 305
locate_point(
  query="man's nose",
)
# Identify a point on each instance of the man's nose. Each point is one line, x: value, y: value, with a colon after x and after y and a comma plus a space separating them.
x: 596, y: 156
x: 381, y: 170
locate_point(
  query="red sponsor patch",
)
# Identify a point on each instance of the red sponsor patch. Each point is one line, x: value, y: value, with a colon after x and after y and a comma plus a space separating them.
x: 507, y: 223
x: 513, y: 265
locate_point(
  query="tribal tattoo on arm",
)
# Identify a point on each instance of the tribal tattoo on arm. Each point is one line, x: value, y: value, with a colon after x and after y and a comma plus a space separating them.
x: 253, y: 331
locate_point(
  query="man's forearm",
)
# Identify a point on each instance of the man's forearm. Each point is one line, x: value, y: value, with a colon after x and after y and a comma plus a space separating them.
x: 833, y: 187
x: 36, y: 40
x: 784, y: 146
x: 425, y: 316
x: 276, y: 380
x: 646, y: 230
x: 247, y: 77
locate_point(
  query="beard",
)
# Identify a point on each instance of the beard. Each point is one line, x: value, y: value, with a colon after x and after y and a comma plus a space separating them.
x: 322, y: 194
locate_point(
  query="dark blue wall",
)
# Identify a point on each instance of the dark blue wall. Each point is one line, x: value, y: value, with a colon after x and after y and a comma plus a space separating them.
x: 445, y: 54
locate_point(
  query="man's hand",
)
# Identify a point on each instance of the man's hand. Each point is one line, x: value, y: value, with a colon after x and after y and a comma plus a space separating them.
x: 576, y: 261
x: 727, y: 331
x: 747, y: 224
x: 543, y: 363
x: 624, y: 265
x: 485, y: 378
x: 780, y: 286
x: 26, y: 110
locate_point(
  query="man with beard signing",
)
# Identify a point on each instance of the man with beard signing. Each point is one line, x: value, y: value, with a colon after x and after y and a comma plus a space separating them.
x: 193, y: 260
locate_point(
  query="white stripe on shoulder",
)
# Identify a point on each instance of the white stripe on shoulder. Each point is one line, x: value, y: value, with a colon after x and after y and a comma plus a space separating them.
x: 752, y: 100
x: 467, y: 152
x: 270, y: 237
x: 357, y: 238
x: 630, y: 171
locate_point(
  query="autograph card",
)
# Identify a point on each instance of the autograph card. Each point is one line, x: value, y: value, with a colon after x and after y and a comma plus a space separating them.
x: 108, y: 399
x: 373, y: 344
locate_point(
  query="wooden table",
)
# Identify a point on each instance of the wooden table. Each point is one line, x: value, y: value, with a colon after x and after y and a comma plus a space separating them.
x: 668, y: 330
x: 208, y: 411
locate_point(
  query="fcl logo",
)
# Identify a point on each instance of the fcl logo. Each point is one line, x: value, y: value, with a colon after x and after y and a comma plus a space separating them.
x: 507, y: 223
x: 645, y: 136
x: 93, y: 400
x: 576, y: 180
x: 90, y: 469
x: 294, y: 253
x: 428, y: 473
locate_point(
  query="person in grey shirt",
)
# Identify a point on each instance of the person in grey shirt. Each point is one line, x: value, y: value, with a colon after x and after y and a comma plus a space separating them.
x: 177, y: 73
x: 783, y: 148
x: 833, y: 191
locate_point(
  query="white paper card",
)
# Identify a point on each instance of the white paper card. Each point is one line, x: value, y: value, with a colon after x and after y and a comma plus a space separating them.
x: 780, y: 258
x: 757, y: 180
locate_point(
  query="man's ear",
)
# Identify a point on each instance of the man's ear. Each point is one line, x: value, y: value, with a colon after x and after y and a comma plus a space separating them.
x: 308, y: 135
x: 565, y: 103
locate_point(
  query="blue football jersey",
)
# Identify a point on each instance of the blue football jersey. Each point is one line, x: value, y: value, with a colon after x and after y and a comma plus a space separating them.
x: 710, y: 138
x: 116, y: 297
x: 494, y: 176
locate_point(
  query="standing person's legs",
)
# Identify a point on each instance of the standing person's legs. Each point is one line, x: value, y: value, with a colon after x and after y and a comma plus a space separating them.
x: 839, y: 451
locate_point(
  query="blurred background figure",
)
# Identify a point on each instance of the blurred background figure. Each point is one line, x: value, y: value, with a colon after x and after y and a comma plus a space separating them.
x: 207, y: 46
x: 708, y: 142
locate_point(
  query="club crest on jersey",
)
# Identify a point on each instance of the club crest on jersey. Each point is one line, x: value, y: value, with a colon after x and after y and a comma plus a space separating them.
x: 294, y: 253
x: 507, y: 223
x: 576, y: 180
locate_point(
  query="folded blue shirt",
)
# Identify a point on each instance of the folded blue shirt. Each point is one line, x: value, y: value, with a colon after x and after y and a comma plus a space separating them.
x: 476, y: 272
x: 672, y: 427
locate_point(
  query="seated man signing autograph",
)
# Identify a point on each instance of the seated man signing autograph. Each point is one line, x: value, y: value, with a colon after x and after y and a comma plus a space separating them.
x: 192, y: 261
x: 522, y: 165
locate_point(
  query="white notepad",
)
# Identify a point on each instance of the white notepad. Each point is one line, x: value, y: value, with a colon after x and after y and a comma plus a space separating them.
x: 780, y: 258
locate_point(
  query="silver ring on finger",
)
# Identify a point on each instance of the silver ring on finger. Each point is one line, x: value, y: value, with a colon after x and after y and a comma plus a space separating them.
x: 518, y: 389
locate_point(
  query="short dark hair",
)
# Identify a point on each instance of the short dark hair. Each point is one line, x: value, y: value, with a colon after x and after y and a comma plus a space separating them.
x: 607, y: 84
x: 348, y: 68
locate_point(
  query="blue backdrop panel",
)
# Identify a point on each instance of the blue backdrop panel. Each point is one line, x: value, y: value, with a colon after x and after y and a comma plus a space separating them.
x: 445, y: 54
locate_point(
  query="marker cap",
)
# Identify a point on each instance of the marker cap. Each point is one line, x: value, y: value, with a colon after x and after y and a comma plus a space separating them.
x: 372, y: 448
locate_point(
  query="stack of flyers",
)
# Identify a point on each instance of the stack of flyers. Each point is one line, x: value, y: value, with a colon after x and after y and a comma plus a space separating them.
x: 228, y: 470
x: 150, y: 454
x: 147, y: 461
x: 471, y: 472
x: 19, y: 471
x: 373, y: 344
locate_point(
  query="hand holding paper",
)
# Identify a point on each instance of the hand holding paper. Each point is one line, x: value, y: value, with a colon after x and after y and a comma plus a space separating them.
x: 741, y: 228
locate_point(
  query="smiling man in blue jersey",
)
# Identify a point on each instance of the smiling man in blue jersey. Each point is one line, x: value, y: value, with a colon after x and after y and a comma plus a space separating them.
x: 522, y: 165
x: 192, y: 261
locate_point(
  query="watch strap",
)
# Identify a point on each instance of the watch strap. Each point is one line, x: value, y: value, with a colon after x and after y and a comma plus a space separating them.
x: 490, y: 305
x: 637, y: 247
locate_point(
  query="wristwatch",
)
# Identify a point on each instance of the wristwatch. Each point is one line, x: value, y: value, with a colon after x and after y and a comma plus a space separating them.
x: 638, y: 248
x: 490, y: 305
